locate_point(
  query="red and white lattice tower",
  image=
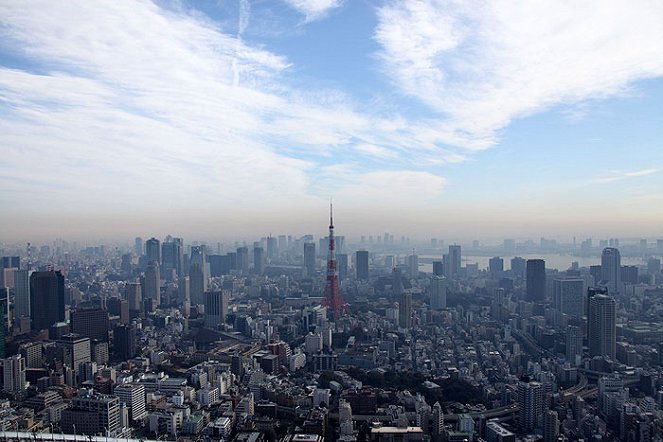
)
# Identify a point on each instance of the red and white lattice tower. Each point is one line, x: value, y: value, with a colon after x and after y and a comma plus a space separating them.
x: 333, y: 297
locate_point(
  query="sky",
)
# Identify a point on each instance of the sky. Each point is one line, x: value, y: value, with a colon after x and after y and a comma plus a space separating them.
x: 450, y: 119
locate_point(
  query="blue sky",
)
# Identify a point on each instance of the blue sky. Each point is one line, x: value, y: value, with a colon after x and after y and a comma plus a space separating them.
x: 454, y: 119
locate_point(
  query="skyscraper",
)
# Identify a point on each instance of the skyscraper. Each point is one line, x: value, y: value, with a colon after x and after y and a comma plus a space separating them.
x: 46, y: 299
x: 405, y: 310
x: 14, y: 375
x: 453, y: 263
x: 438, y: 292
x: 197, y: 284
x: 309, y: 258
x: 530, y: 401
x: 152, y: 284
x: 134, y: 296
x: 550, y: 426
x: 91, y: 323
x: 172, y: 257
x: 152, y: 250
x: 138, y: 246
x: 22, y: 293
x: 216, y: 308
x: 573, y: 344
x: 258, y: 260
x: 601, y: 326
x: 536, y: 280
x: 361, y: 264
x: 496, y: 266
x: 611, y: 270
x: 124, y: 342
x: 243, y: 260
x: 569, y: 296
x: 518, y: 266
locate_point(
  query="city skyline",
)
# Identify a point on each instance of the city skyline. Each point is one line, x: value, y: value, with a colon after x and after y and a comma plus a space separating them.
x: 240, y: 118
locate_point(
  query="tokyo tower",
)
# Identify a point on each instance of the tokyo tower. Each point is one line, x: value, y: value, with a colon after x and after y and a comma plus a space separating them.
x: 333, y: 298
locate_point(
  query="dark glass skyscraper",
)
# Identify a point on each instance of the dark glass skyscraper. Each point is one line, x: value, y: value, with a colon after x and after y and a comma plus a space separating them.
x: 46, y: 299
x: 536, y: 280
x: 361, y: 264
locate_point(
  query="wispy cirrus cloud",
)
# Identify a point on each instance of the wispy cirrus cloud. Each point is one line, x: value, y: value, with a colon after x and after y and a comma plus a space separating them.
x: 481, y: 64
x: 617, y: 175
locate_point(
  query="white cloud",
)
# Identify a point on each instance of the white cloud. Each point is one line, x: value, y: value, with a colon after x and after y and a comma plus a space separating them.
x: 481, y: 64
x: 314, y: 9
x: 125, y: 107
x: 619, y: 175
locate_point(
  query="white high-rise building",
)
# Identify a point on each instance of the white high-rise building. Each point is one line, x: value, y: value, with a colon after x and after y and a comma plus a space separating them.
x: 453, y: 262
x: 611, y: 270
x: 133, y: 396
x: 14, y: 374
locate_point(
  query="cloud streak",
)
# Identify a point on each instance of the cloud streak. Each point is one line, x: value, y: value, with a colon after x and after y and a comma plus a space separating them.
x: 618, y: 176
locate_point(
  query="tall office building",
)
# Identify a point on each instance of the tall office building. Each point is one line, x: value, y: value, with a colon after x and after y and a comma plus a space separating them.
x: 118, y: 307
x: 133, y: 396
x: 611, y: 270
x: 601, y: 326
x: 550, y: 426
x: 14, y: 369
x: 342, y: 261
x: 184, y: 294
x: 153, y: 250
x: 496, y: 266
x: 438, y: 292
x: 197, y: 284
x: 309, y: 259
x: 530, y: 401
x: 361, y: 264
x: 413, y: 265
x: 21, y: 293
x: 134, y: 294
x: 405, y: 310
x: 243, y: 260
x: 536, y: 280
x: 152, y: 283
x: 124, y: 342
x: 172, y: 257
x: 569, y: 296
x: 74, y: 350
x: 272, y: 248
x: 453, y: 263
x: 258, y: 260
x: 216, y: 308
x: 518, y: 267
x: 91, y: 323
x: 46, y: 299
x: 138, y: 246
x: 396, y: 281
x: 573, y: 344
x: 438, y: 268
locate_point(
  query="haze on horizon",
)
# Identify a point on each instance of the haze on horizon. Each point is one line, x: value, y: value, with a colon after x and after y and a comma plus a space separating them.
x: 241, y: 118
